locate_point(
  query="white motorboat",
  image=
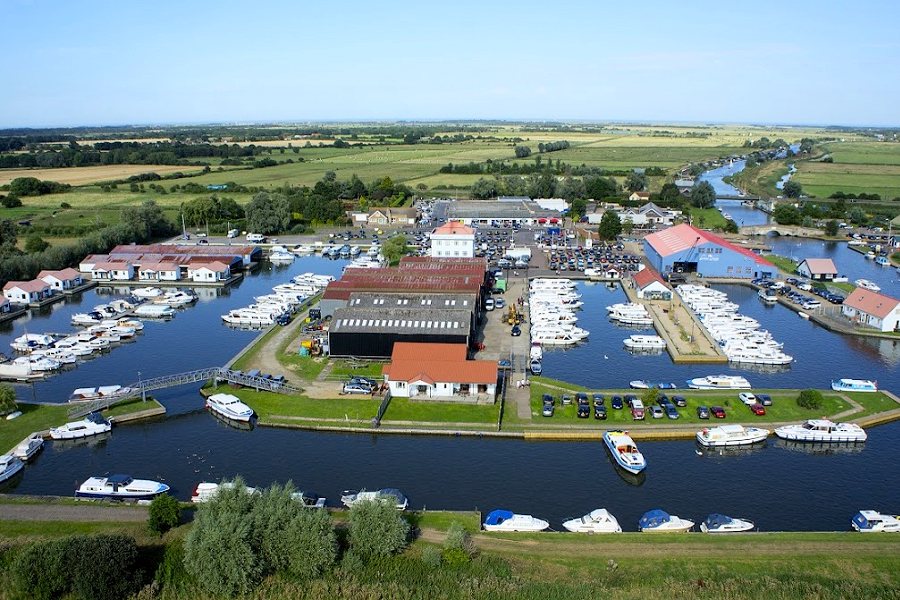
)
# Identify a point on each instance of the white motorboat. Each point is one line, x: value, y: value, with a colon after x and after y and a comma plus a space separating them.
x: 29, y: 447
x: 867, y: 285
x: 120, y: 487
x: 535, y: 366
x: 147, y: 292
x: 18, y: 370
x: 281, y: 257
x: 716, y: 523
x: 392, y: 496
x: 768, y: 296
x: 504, y: 520
x: 596, y: 521
x: 206, y: 491
x: 303, y: 249
x: 91, y: 318
x: 63, y: 357
x: 38, y: 364
x: 93, y: 424
x: 176, y: 299
x: 9, y: 466
x: 657, y: 520
x: 229, y: 406
x: 644, y: 342
x: 822, y: 430
x: 95, y: 393
x: 536, y: 352
x: 309, y: 499
x: 643, y: 384
x: 154, y: 311
x: 624, y: 451
x: 558, y: 338
x: 854, y: 385
x: 31, y: 341
x: 248, y: 318
x: 870, y: 521
x: 731, y: 435
x: 719, y: 382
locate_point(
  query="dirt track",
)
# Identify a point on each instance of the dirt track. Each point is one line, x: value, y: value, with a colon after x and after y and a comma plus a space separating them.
x: 72, y: 512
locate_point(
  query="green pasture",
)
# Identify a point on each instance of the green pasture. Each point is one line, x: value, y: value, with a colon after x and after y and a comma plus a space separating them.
x: 864, y: 153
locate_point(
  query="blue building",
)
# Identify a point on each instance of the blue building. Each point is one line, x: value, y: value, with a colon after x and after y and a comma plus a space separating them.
x: 686, y: 249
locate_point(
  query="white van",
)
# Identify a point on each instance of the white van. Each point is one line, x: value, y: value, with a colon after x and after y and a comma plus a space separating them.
x: 232, y: 233
x: 489, y: 304
x: 256, y: 238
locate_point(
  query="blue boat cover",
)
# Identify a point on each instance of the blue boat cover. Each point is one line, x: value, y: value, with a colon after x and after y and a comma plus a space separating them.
x: 393, y: 492
x: 715, y: 520
x: 653, y: 518
x: 495, y: 517
x: 861, y: 521
x: 119, y: 479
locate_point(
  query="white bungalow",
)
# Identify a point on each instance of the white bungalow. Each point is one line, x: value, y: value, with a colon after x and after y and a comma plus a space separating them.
x: 112, y: 271
x: 161, y: 271
x: 819, y: 269
x: 209, y: 272
x: 59, y: 281
x: 650, y: 285
x: 26, y: 292
x: 439, y: 372
x: 872, y: 309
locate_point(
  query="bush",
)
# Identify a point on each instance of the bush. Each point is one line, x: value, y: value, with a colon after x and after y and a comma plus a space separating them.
x: 7, y: 399
x: 164, y: 514
x: 313, y: 543
x: 377, y: 529
x: 65, y: 205
x: 810, y: 399
x: 171, y: 572
x: 431, y: 556
x: 41, y: 571
x: 10, y: 201
x: 458, y: 542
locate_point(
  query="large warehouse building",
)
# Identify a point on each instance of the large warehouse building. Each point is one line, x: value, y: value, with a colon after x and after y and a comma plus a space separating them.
x: 686, y: 249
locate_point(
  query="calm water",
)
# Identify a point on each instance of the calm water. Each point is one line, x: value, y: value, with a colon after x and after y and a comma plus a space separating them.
x: 775, y: 485
x: 742, y: 214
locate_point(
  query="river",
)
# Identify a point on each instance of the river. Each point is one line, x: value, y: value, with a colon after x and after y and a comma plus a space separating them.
x: 783, y: 487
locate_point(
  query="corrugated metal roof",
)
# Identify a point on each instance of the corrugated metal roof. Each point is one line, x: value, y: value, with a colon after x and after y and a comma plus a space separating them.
x: 401, y: 320
x: 684, y: 236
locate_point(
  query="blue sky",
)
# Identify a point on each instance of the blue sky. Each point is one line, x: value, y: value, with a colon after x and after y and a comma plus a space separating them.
x: 91, y: 62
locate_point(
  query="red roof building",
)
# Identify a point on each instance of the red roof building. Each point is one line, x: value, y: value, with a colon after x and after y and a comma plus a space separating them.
x: 650, y: 285
x: 687, y: 249
x: 429, y: 371
x: 872, y: 309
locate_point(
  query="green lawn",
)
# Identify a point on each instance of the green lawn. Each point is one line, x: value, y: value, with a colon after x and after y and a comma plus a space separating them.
x: 12, y: 530
x: 35, y: 417
x: 269, y: 406
x: 345, y: 368
x: 785, y: 264
x: 707, y: 218
x: 404, y: 409
x: 130, y: 406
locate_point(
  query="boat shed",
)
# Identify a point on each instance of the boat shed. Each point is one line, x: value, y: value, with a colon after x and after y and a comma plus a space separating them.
x: 687, y: 249
x: 865, y: 307
x: 440, y: 372
x: 372, y: 332
x: 650, y: 285
x: 818, y: 269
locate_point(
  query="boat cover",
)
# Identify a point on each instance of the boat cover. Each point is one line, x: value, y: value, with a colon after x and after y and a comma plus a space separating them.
x: 861, y: 521
x: 119, y: 479
x: 97, y: 418
x: 496, y: 517
x: 715, y: 521
x: 653, y: 518
x: 394, y: 493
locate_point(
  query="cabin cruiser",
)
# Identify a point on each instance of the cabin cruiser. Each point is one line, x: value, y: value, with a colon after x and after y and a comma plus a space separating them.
x: 29, y: 447
x: 9, y: 466
x: 758, y: 357
x: 854, y: 385
x: 870, y: 521
x: 95, y: 393
x: 768, y: 296
x: 596, y: 521
x: 281, y: 256
x: 31, y: 341
x: 303, y: 249
x: 643, y: 384
x: 535, y: 366
x: 535, y: 352
x: 504, y: 520
x: 731, y: 435
x: 120, y: 487
x: 557, y: 338
x: 822, y: 430
x: 90, y: 318
x: 388, y: 495
x: 644, y: 342
x: 867, y: 285
x: 154, y: 311
x: 93, y: 424
x: 716, y: 523
x: 63, y: 357
x: 206, y: 491
x: 229, y: 406
x: 719, y: 382
x: 176, y: 299
x: 146, y: 292
x: 37, y: 364
x: 657, y: 520
x: 245, y: 316
x: 74, y: 346
x: 625, y: 451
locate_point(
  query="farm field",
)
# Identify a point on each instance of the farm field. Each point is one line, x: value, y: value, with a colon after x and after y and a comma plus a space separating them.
x: 869, y: 167
x: 88, y: 175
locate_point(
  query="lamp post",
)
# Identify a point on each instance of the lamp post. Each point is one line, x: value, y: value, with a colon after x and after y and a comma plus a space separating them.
x: 141, y: 385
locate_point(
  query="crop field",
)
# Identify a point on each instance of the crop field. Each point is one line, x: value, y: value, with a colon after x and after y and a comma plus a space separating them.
x: 89, y: 175
x: 870, y: 167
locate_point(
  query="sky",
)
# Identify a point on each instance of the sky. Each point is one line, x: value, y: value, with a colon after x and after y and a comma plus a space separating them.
x: 93, y: 62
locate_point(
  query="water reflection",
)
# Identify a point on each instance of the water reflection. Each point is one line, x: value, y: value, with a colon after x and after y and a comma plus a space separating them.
x: 820, y: 448
x: 730, y: 451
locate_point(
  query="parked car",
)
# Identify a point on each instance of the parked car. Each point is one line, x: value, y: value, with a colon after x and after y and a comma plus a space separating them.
x: 764, y: 399
x: 656, y: 412
x: 671, y: 412
x: 548, y: 399
x: 584, y: 411
x: 702, y: 412
x: 718, y: 412
x: 547, y: 410
x: 758, y: 409
x: 630, y: 398
x: 679, y: 400
x: 616, y: 402
x: 598, y: 400
x: 747, y: 398
x: 600, y: 412
x: 499, y: 303
x: 489, y: 304
x: 363, y: 380
x: 357, y: 388
x: 637, y: 410
x: 566, y: 399
x: 581, y: 398
x: 516, y: 331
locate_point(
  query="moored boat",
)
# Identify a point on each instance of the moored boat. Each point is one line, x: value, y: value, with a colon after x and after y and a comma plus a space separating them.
x: 29, y: 447
x: 657, y: 520
x: 870, y: 521
x: 597, y: 521
x: 719, y: 382
x: 93, y: 424
x: 9, y: 466
x: 731, y: 435
x: 388, y: 495
x: 504, y: 520
x: 206, y: 491
x: 716, y: 523
x: 229, y: 406
x: 644, y: 342
x: 822, y: 430
x: 854, y: 385
x: 867, y: 285
x: 120, y: 487
x: 624, y: 451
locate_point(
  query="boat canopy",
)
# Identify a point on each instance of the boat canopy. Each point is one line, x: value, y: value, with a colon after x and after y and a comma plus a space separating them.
x: 119, y: 479
x: 654, y: 518
x: 496, y: 517
x: 861, y: 521
x: 392, y: 493
x: 97, y: 418
x: 715, y: 520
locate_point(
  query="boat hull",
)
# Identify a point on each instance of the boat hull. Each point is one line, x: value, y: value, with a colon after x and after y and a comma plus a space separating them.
x: 119, y: 496
x: 620, y: 462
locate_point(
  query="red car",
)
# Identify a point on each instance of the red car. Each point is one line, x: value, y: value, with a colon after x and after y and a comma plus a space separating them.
x: 758, y: 409
x: 718, y: 412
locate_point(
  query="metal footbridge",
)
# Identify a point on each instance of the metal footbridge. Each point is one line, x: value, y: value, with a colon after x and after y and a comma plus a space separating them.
x: 214, y: 374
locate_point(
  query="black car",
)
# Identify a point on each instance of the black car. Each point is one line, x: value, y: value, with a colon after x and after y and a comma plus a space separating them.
x: 599, y: 400
x: 702, y: 412
x: 516, y: 331
x: 617, y: 402
x: 548, y: 399
x: 584, y: 411
x: 764, y: 399
x: 679, y: 400
x: 600, y: 412
x: 662, y: 400
x: 630, y: 398
x: 671, y: 411
x: 581, y: 398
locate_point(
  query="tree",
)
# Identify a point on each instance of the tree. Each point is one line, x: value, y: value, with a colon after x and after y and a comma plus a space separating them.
x: 792, y: 189
x: 394, y: 248
x: 831, y: 228
x: 484, y: 188
x: 523, y: 151
x: 731, y: 226
x: 164, y: 514
x: 627, y: 227
x: 35, y: 243
x: 610, y: 226
x: 571, y: 188
x: 10, y: 201
x: 146, y: 221
x: 810, y: 399
x: 669, y: 196
x: 268, y: 213
x: 703, y: 195
x: 7, y: 398
x: 635, y: 182
x: 600, y: 187
x: 312, y: 543
x: 577, y: 208
x: 648, y: 397
x: 377, y: 529
x: 786, y: 214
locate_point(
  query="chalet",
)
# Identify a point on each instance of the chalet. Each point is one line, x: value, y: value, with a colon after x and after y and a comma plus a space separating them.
x: 649, y: 215
x: 160, y: 271
x: 639, y: 197
x: 66, y: 279
x: 650, y: 285
x: 432, y: 371
x: 872, y: 309
x: 818, y: 269
x: 209, y: 272
x: 26, y: 292
x: 112, y: 271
